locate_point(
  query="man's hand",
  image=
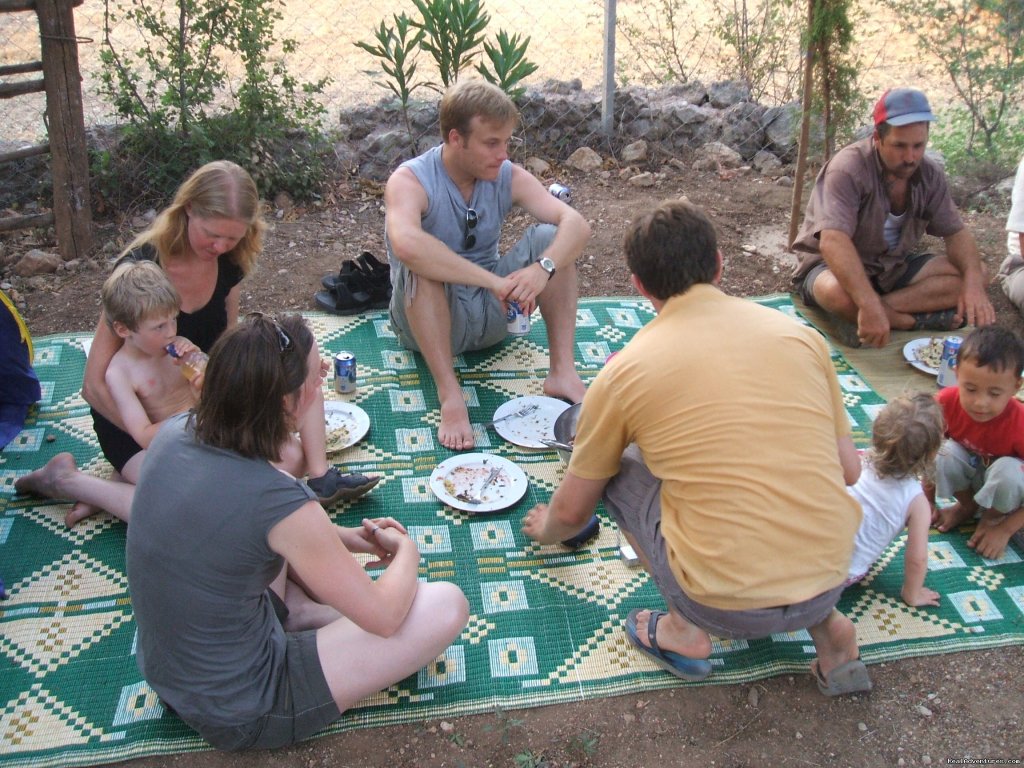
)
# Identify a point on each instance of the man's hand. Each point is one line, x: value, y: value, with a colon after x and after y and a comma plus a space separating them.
x: 973, y: 303
x: 873, y: 326
x: 526, y: 285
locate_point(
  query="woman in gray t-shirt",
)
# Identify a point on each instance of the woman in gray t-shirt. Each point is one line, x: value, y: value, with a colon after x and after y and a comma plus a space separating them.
x: 222, y: 537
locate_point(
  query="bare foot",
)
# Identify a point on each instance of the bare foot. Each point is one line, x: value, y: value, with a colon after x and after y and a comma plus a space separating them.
x: 79, y: 512
x: 47, y: 482
x: 675, y: 634
x: 567, y: 387
x: 455, y: 432
x: 991, y: 536
x: 953, y: 516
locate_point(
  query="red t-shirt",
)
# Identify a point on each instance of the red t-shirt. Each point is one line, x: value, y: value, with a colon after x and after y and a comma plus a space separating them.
x: 1002, y: 436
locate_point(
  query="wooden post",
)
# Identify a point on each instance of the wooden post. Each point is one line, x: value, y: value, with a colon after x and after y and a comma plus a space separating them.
x: 805, y: 129
x: 66, y: 126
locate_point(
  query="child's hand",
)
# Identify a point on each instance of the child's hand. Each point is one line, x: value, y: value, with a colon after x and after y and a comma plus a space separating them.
x: 919, y: 597
x: 183, y: 346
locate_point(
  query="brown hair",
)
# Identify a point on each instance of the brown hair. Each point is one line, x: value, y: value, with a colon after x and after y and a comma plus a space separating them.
x: 672, y: 248
x: 253, y: 367
x: 906, y: 435
x: 993, y: 347
x: 218, y: 190
x: 467, y: 99
x: 135, y: 291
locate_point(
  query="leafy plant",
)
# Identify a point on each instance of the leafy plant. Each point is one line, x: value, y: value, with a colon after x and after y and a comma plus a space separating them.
x: 509, y: 65
x: 172, y: 89
x: 837, y: 98
x: 980, y: 45
x: 396, y: 48
x: 527, y: 759
x: 587, y: 743
x: 453, y: 29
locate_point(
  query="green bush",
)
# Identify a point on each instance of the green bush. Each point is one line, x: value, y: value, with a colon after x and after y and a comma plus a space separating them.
x: 172, y: 92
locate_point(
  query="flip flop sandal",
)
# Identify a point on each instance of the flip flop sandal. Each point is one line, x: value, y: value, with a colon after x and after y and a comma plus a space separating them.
x: 851, y: 677
x: 939, y: 320
x: 681, y: 666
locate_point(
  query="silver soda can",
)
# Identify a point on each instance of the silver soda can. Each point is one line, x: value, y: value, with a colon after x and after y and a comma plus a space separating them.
x: 947, y: 363
x: 518, y: 322
x: 345, y: 373
x: 561, y: 192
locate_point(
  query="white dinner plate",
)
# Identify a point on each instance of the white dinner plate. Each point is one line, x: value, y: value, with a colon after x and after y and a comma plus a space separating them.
x: 459, y: 477
x: 529, y: 430
x: 347, y: 424
x: 910, y: 355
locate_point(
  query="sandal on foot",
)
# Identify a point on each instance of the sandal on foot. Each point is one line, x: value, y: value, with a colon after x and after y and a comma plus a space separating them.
x: 940, y: 320
x: 851, y: 677
x: 845, y: 333
x: 334, y: 486
x: 681, y: 666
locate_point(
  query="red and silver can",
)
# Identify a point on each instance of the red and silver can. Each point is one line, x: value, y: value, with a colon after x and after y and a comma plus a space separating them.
x: 947, y: 363
x: 518, y: 321
x: 345, y: 373
x: 561, y: 192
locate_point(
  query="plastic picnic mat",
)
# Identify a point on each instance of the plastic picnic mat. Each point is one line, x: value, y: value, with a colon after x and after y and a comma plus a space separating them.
x: 545, y: 624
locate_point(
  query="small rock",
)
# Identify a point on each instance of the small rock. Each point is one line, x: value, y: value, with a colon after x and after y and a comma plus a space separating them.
x: 799, y: 735
x: 901, y: 761
x: 585, y: 159
x: 446, y: 727
x: 629, y: 717
x: 923, y: 710
x: 537, y: 166
x: 642, y: 180
x: 862, y: 727
x: 37, y: 262
x: 635, y: 152
x: 748, y: 248
x: 784, y: 181
x: 753, y: 696
x: 926, y: 760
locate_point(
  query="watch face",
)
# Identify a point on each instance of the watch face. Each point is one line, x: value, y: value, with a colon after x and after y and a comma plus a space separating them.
x: 548, y: 265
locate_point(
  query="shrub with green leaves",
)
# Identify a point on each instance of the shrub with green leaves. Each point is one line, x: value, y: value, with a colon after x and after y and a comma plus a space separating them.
x: 172, y: 90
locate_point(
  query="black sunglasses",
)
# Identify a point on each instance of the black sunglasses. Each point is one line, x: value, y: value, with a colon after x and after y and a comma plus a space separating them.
x: 282, y: 338
x: 469, y: 239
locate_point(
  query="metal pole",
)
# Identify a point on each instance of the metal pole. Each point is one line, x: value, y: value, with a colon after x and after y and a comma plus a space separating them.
x: 608, y: 102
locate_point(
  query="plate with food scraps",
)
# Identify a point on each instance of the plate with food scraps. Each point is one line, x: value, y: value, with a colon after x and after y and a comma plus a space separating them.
x: 533, y: 427
x: 924, y: 354
x: 460, y: 480
x: 347, y: 424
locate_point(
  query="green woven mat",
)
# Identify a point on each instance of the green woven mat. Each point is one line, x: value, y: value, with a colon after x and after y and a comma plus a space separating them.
x: 545, y: 624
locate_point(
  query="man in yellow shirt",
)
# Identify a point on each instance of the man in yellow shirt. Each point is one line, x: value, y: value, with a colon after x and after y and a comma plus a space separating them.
x: 719, y: 442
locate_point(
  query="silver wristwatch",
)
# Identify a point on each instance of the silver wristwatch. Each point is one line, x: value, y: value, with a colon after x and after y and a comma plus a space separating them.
x: 548, y: 266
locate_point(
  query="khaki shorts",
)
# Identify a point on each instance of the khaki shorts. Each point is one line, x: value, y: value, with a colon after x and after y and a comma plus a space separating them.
x: 633, y: 497
x: 477, y: 317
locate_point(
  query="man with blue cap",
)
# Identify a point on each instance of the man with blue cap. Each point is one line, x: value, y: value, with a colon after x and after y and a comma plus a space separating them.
x: 858, y: 248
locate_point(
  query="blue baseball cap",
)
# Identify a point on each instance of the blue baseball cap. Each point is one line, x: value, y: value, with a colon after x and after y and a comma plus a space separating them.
x: 903, y: 106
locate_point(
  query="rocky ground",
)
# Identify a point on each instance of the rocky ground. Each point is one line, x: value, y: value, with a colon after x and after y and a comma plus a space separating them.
x: 924, y: 711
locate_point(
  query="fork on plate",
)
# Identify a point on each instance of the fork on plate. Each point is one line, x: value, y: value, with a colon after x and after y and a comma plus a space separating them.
x: 477, y: 498
x: 516, y: 415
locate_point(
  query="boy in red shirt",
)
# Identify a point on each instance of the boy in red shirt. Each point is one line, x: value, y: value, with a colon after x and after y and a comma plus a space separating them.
x: 981, y: 465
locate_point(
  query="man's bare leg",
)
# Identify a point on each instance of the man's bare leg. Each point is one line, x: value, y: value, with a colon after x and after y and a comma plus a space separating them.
x: 835, y: 640
x: 430, y: 321
x: 558, y: 308
x: 937, y: 288
x: 61, y: 479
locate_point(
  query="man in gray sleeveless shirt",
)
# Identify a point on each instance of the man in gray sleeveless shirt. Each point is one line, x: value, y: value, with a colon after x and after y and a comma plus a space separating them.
x: 445, y: 210
x: 859, y: 246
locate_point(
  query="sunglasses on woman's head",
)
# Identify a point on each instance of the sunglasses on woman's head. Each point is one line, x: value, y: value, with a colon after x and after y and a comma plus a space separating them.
x: 282, y: 337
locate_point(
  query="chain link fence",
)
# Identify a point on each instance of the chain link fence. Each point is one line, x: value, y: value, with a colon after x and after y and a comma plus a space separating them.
x: 566, y: 42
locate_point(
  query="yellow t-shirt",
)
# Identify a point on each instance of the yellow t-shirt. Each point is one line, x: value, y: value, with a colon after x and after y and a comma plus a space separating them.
x: 737, y: 409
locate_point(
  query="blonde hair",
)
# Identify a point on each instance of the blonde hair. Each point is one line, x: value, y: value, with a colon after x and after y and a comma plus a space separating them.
x: 218, y: 190
x: 474, y: 98
x: 137, y: 290
x: 905, y: 437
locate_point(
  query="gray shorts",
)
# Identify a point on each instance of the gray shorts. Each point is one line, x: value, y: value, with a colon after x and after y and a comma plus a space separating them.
x: 914, y: 264
x: 633, y: 497
x: 998, y: 485
x: 478, y: 318
x: 303, y: 704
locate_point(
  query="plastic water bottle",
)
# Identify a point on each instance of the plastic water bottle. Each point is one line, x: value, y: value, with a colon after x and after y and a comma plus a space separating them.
x: 192, y: 363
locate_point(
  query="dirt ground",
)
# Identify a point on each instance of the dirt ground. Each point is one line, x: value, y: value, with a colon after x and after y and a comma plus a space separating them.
x: 923, y: 711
